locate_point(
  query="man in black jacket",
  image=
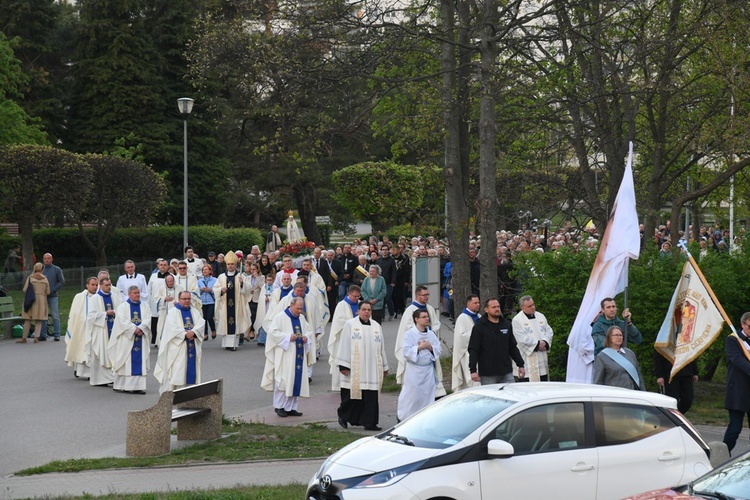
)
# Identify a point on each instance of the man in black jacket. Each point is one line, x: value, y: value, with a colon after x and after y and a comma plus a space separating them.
x: 737, y: 396
x: 349, y: 262
x: 492, y: 346
x: 388, y: 272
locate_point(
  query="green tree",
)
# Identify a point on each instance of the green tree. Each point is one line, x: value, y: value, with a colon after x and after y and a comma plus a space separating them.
x: 16, y: 126
x: 43, y: 29
x: 125, y: 193
x: 116, y: 80
x: 385, y: 193
x: 292, y: 96
x: 39, y: 183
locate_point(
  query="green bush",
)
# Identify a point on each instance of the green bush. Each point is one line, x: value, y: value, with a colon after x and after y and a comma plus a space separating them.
x: 146, y: 243
x: 557, y: 281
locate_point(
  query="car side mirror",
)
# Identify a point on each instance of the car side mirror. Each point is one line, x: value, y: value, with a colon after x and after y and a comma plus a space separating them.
x: 499, y: 448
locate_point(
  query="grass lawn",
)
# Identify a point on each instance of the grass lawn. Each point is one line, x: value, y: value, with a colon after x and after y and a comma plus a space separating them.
x: 288, y: 492
x: 246, y: 441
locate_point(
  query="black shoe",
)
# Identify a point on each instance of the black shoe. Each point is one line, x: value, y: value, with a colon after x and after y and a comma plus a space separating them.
x: 294, y: 413
x: 137, y: 392
x: 374, y: 428
x: 309, y: 380
x: 42, y: 339
x: 57, y: 339
x: 281, y: 412
x: 233, y: 349
x: 261, y: 344
x: 343, y: 423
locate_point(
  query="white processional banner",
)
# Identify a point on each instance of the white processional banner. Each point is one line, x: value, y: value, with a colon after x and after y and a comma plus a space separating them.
x: 609, y: 276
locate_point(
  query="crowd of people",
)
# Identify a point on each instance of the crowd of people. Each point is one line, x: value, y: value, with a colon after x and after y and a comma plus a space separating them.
x: 284, y: 302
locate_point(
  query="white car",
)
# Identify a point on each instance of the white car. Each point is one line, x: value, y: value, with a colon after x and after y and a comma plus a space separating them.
x: 525, y: 441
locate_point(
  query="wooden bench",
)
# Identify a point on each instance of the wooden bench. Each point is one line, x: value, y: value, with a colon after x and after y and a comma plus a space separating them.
x: 197, y: 409
x: 7, y: 314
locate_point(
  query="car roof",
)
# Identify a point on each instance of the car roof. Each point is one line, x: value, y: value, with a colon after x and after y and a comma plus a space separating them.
x: 534, y: 391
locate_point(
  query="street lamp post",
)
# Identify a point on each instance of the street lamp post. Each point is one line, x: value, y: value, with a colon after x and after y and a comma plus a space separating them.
x: 185, y: 105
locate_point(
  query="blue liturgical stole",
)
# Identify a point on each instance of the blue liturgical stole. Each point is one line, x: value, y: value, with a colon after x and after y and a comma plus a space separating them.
x: 299, y: 362
x: 107, y: 297
x: 231, y: 325
x: 353, y: 305
x: 187, y: 322
x: 136, y: 352
x: 474, y: 316
x: 284, y: 292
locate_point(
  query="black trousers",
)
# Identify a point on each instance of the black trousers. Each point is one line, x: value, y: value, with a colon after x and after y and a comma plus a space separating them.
x: 681, y: 388
x: 364, y: 412
x: 208, y: 315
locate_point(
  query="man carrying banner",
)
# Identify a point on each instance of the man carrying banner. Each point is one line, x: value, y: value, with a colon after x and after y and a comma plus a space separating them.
x: 737, y: 397
x: 608, y: 318
x: 609, y: 276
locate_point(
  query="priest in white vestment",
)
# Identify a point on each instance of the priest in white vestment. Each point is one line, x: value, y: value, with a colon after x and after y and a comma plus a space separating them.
x: 421, y: 349
x: 99, y: 323
x: 313, y: 312
x: 345, y: 310
x: 363, y: 365
x: 179, y: 360
x: 129, y: 346
x: 189, y: 282
x: 154, y: 282
x: 421, y: 296
x: 231, y: 313
x: 534, y: 340
x: 165, y: 299
x: 287, y: 357
x: 76, y: 355
x: 272, y: 306
x: 460, y: 374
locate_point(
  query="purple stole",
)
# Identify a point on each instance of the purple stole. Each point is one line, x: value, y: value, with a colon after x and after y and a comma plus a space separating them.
x: 231, y: 325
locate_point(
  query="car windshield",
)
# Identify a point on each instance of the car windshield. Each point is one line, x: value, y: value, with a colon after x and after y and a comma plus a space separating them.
x: 449, y: 420
x: 731, y: 480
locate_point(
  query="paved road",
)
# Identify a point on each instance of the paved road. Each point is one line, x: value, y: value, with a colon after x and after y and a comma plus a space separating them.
x: 46, y: 414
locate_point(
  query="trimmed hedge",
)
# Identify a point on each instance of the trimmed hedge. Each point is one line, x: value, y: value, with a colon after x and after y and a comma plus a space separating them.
x: 139, y: 244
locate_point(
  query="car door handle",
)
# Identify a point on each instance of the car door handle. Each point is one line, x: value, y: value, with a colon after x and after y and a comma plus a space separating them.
x: 668, y: 457
x: 581, y: 467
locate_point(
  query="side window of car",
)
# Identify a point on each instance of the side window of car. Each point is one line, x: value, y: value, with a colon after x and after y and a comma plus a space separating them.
x: 544, y: 428
x: 619, y: 423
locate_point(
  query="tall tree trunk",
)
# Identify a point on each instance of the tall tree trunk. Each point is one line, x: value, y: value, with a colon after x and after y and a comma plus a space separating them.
x: 304, y: 195
x: 487, y: 206
x: 455, y: 172
x: 26, y: 229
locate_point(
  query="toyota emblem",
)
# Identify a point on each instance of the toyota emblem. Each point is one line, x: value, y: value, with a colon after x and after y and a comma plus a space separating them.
x: 325, y: 482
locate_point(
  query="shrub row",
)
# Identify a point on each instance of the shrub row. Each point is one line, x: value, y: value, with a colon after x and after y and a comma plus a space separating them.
x: 147, y: 243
